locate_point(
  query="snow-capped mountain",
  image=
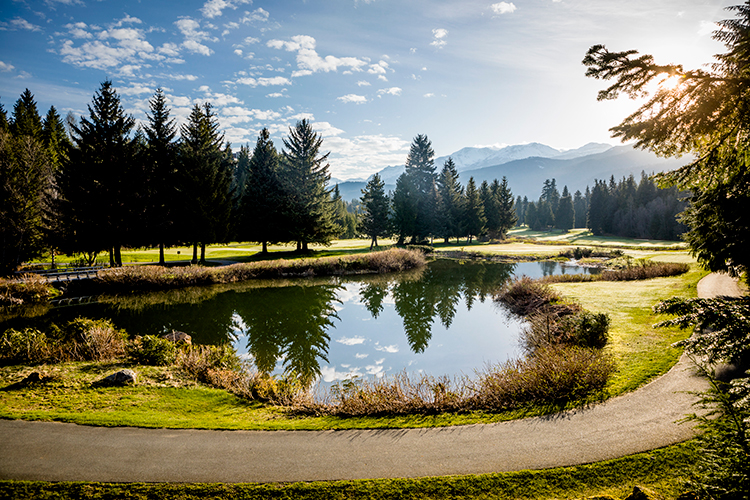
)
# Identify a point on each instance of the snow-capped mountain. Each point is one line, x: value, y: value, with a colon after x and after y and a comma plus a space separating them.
x: 472, y: 158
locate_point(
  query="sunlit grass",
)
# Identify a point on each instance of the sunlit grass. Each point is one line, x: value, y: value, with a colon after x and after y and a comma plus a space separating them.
x: 582, y: 237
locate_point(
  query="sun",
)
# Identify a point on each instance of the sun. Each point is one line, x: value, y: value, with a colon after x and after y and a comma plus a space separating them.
x: 669, y: 82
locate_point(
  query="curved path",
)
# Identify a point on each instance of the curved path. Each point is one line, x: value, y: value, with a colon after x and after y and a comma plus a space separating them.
x: 642, y: 420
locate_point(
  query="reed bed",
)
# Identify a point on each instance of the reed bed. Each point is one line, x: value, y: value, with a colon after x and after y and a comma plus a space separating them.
x: 160, y: 278
x: 642, y: 270
x: 28, y: 289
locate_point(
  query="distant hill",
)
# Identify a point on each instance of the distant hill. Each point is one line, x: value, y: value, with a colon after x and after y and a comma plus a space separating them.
x: 526, y: 176
x: 527, y: 166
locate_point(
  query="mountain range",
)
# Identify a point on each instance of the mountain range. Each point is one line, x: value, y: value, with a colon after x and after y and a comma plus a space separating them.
x: 526, y: 167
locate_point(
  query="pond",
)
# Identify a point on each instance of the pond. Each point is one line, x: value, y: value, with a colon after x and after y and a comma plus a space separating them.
x: 439, y: 320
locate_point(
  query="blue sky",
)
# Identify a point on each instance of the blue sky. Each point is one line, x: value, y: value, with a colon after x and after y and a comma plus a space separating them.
x: 369, y: 74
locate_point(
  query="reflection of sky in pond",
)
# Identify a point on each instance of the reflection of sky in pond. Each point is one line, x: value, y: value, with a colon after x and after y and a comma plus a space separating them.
x: 440, y: 320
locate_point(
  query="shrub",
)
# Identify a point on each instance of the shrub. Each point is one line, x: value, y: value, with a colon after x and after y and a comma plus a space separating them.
x: 29, y: 289
x: 26, y: 346
x: 586, y: 329
x: 209, y: 363
x: 152, y: 350
x: 89, y: 339
x: 524, y: 296
x: 553, y: 374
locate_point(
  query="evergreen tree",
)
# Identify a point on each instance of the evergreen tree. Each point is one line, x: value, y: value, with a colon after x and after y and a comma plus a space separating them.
x: 96, y: 182
x: 474, y: 220
x: 565, y: 216
x: 240, y: 174
x: 3, y: 118
x: 420, y: 168
x: 55, y: 138
x: 597, y: 208
x: 404, y: 209
x: 309, y: 208
x: 160, y: 170
x: 491, y: 206
x: 450, y: 196
x: 26, y: 120
x: 261, y: 217
x: 520, y: 210
x: 545, y: 214
x: 580, y: 209
x: 204, y: 182
x: 508, y: 217
x: 345, y: 221
x: 24, y: 173
x: 375, y: 210
x: 550, y: 194
x: 532, y: 217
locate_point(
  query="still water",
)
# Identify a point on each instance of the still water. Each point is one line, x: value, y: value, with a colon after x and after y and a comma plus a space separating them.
x: 439, y: 320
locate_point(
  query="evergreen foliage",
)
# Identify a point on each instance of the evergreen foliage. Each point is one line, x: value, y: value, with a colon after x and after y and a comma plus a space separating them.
x: 374, y: 222
x: 309, y: 211
x: 565, y: 214
x: 474, y: 218
x: 706, y: 114
x: 96, y: 182
x: 261, y: 217
x: 160, y: 171
x: 204, y: 181
x: 450, y: 199
x: 25, y: 119
x: 420, y: 169
x: 404, y: 201
x: 507, y: 217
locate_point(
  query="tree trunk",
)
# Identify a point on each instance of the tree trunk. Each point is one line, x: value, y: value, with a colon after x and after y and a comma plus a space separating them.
x: 54, y: 262
x: 161, y: 254
x: 118, y: 255
x: 299, y: 246
x: 265, y: 247
x: 111, y: 257
x: 203, y: 254
x: 195, y: 254
x: 304, y: 246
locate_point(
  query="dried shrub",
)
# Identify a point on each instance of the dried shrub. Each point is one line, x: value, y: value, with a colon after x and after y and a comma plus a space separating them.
x: 207, y: 363
x: 152, y: 350
x: 553, y: 374
x: 88, y: 339
x: 26, y: 346
x: 28, y: 289
x: 643, y: 270
x: 580, y: 328
x: 524, y: 296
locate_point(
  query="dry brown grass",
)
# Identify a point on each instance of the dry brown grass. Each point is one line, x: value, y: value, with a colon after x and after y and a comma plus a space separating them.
x: 159, y: 278
x: 28, y: 289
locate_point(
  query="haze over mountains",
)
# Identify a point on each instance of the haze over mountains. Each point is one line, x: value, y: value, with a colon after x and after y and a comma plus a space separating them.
x: 528, y: 165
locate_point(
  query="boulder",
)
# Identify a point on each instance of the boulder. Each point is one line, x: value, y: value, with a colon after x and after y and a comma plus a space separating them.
x: 639, y: 494
x: 178, y: 337
x: 123, y: 377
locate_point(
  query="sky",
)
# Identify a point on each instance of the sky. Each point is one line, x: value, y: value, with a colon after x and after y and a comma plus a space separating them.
x: 369, y: 74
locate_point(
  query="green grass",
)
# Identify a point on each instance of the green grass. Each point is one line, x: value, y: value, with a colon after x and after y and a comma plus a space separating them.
x: 659, y: 471
x: 584, y: 237
x: 641, y: 352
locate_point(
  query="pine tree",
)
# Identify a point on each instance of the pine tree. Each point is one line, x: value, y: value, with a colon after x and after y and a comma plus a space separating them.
x: 309, y: 208
x: 24, y: 176
x: 597, y: 208
x: 160, y: 170
x: 450, y: 198
x: 565, y: 216
x: 508, y: 217
x: 420, y: 168
x: 491, y: 206
x: 96, y: 182
x: 3, y: 118
x: 55, y: 138
x: 580, y: 209
x: 474, y: 220
x: 204, y: 181
x: 532, y: 217
x: 374, y: 222
x: 404, y: 209
x: 26, y: 120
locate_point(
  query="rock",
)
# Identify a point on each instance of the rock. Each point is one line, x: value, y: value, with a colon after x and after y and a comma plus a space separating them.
x: 639, y: 494
x: 178, y: 337
x: 123, y: 377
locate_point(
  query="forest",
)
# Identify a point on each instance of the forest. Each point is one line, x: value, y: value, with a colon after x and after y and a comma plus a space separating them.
x: 100, y: 183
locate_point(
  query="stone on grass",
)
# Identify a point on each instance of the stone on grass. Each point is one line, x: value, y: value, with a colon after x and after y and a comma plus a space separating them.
x: 123, y: 377
x: 178, y: 337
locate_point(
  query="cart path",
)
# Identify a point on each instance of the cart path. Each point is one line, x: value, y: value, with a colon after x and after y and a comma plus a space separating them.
x: 639, y: 421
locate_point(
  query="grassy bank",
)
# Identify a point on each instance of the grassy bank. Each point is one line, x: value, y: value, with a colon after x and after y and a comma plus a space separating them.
x: 659, y: 471
x: 641, y: 353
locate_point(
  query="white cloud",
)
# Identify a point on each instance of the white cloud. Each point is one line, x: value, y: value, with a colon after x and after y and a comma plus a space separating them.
x: 276, y: 94
x: 359, y: 156
x: 363, y: 83
x: 169, y: 49
x: 358, y: 99
x: 214, y: 8
x: 308, y: 60
x: 250, y: 39
x: 258, y: 15
x: 440, y: 34
x: 237, y: 114
x: 190, y: 78
x: 429, y: 94
x: 78, y: 30
x: 706, y: 28
x: 325, y: 129
x: 135, y: 89
x: 5, y: 67
x: 503, y: 8
x: 127, y: 19
x: 390, y: 91
x: 18, y: 23
x: 361, y: 356
x: 351, y: 340
x: 388, y: 348
x: 263, y: 82
x: 193, y: 36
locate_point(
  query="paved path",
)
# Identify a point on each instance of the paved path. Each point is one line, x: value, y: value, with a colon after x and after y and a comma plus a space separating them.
x: 642, y: 420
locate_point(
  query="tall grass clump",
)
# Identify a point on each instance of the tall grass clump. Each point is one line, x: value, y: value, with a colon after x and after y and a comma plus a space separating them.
x: 638, y: 270
x: 28, y: 346
x: 28, y: 289
x: 160, y: 278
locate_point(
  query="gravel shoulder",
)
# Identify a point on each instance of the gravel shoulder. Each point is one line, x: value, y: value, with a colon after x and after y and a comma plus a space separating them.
x: 639, y: 421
